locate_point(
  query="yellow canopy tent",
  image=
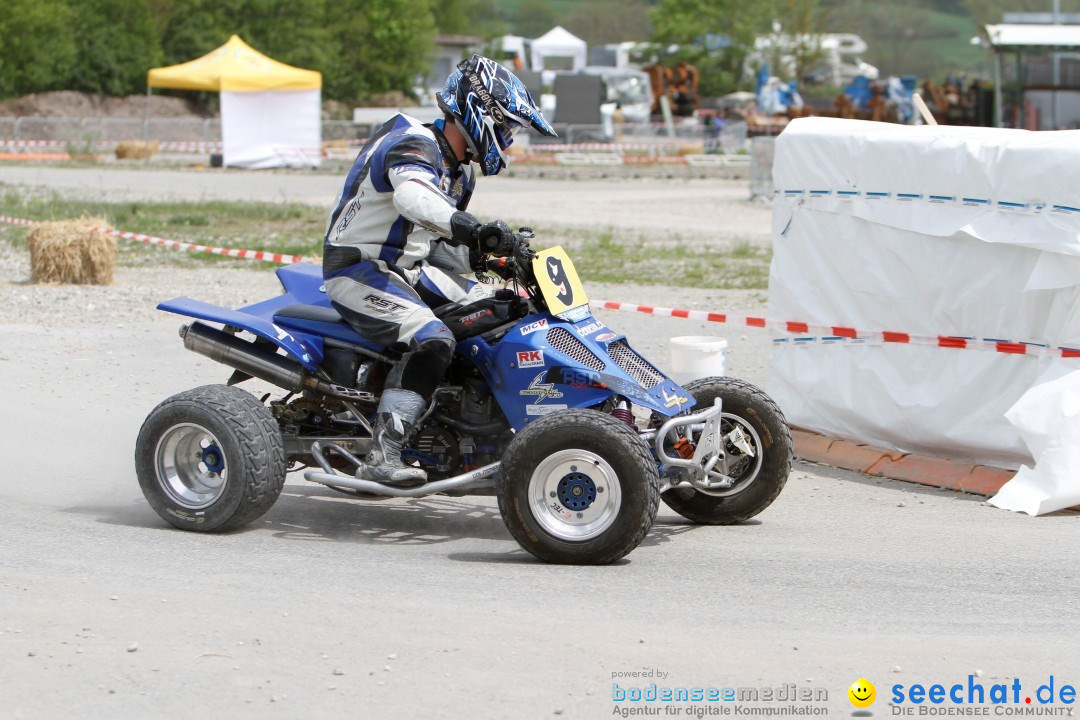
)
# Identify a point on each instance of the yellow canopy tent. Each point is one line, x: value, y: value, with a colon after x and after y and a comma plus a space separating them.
x: 234, y: 67
x: 270, y: 111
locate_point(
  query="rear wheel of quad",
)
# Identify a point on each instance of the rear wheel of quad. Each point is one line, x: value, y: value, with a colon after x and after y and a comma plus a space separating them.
x: 758, y: 478
x: 578, y: 487
x: 210, y: 459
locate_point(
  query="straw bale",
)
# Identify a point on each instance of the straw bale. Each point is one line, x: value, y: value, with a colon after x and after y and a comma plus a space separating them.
x: 68, y: 251
x: 135, y: 150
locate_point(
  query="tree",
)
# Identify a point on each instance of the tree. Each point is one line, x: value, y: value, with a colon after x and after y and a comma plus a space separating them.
x: 714, y: 35
x: 381, y: 48
x: 610, y: 21
x: 900, y: 35
x: 794, y: 45
x: 479, y: 18
x: 38, y: 46
x: 292, y: 31
x: 453, y: 17
x: 362, y: 47
x: 108, y: 67
x: 534, y: 18
x: 198, y: 26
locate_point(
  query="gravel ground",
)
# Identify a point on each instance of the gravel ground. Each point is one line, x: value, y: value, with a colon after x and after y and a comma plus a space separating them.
x: 137, y: 291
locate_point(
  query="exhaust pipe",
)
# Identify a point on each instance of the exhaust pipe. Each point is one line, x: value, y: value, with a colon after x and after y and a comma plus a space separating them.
x: 249, y: 358
x: 244, y: 356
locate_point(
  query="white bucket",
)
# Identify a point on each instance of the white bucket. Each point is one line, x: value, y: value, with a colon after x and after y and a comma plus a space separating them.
x: 697, y: 356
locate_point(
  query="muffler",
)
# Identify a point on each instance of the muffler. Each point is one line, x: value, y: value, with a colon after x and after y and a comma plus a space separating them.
x: 247, y: 357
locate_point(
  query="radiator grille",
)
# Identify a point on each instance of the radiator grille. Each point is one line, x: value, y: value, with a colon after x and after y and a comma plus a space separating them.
x: 560, y: 339
x: 634, y: 365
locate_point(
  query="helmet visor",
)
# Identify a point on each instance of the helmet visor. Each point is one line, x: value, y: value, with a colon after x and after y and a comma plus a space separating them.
x: 505, y: 133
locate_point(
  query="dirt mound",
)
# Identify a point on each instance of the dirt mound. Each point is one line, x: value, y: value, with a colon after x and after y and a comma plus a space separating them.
x: 67, y: 103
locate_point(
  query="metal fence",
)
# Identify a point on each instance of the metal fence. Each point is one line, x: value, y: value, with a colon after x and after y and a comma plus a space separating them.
x: 730, y: 137
x: 762, y: 150
x: 103, y: 130
x: 197, y: 134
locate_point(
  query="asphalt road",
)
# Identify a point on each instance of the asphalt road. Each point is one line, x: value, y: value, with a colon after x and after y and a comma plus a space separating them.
x: 331, y: 608
x: 327, y: 607
x: 681, y: 210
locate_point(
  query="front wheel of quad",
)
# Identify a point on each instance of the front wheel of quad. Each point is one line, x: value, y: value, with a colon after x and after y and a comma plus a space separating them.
x: 578, y: 487
x: 210, y: 459
x: 759, y: 464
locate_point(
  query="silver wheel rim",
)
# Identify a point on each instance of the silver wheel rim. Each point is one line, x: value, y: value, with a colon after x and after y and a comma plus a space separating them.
x: 747, y: 469
x: 575, y: 495
x: 191, y: 466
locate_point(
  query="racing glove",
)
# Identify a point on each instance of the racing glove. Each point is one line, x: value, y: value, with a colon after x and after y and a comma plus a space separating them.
x: 493, y: 238
x: 483, y: 239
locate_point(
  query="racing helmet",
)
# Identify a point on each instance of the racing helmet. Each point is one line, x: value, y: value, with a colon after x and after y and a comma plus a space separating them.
x: 489, y: 105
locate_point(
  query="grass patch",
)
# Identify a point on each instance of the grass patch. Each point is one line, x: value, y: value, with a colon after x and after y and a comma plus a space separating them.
x: 295, y: 229
x: 603, y: 257
x: 284, y: 228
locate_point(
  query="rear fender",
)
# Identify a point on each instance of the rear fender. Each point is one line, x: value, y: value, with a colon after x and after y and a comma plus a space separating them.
x: 306, y: 349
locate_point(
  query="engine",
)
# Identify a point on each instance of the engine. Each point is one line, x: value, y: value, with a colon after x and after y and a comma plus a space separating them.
x: 466, y: 431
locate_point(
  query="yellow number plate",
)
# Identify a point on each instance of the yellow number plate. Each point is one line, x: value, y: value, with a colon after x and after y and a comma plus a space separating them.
x: 558, y: 280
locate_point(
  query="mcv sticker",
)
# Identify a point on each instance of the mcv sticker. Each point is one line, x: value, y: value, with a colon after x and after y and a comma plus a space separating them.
x: 533, y: 327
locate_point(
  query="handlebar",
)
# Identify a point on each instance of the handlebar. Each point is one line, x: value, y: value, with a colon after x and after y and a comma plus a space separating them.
x: 516, y: 264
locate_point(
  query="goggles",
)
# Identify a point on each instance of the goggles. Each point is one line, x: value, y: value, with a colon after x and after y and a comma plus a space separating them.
x: 505, y: 133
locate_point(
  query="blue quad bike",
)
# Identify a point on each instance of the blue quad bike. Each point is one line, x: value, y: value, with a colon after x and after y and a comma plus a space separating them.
x: 577, y: 435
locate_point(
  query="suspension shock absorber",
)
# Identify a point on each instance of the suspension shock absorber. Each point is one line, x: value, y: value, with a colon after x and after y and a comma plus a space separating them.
x: 622, y: 411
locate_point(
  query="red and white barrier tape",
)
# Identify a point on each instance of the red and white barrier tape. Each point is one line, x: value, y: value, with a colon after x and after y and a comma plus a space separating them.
x: 172, y: 146
x: 809, y: 333
x: 228, y: 252
x: 31, y: 143
x: 837, y: 333
x: 151, y: 240
x: 660, y: 148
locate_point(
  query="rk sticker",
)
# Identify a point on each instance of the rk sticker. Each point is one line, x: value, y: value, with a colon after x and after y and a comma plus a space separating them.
x: 530, y: 358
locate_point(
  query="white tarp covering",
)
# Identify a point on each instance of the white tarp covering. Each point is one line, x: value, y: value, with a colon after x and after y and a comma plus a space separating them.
x: 559, y: 42
x: 1048, y: 416
x: 930, y: 231
x: 271, y: 128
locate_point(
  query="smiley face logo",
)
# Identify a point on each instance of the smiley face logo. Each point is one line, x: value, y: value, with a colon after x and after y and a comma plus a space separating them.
x: 862, y: 693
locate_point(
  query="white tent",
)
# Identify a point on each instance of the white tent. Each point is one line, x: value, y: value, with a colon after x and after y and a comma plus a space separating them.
x: 270, y: 112
x: 559, y: 43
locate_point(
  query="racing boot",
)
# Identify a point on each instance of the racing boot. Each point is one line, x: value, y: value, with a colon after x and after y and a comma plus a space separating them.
x: 398, y: 412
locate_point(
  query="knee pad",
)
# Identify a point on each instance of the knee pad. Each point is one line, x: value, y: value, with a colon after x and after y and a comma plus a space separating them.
x: 420, y: 370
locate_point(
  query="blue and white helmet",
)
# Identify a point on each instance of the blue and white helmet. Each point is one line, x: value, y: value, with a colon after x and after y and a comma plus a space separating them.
x: 489, y: 104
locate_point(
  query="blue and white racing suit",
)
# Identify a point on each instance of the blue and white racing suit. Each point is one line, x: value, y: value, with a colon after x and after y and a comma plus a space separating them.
x: 386, y: 259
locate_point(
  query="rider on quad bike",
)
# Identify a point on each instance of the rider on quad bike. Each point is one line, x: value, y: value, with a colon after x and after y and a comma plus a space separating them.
x: 399, y: 237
